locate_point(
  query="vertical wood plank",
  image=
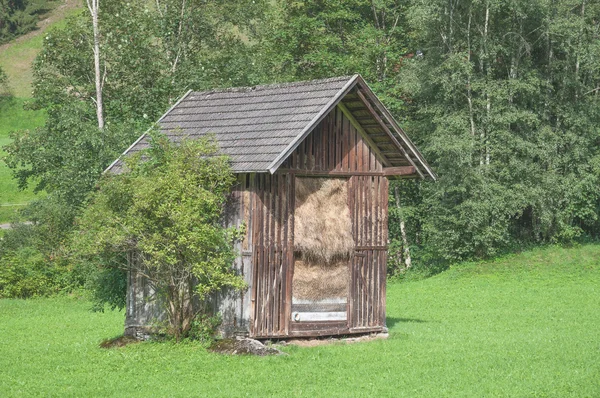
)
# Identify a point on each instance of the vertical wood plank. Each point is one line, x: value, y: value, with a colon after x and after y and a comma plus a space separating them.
x: 382, y: 287
x: 332, y: 141
x: 377, y: 212
x: 360, y: 166
x: 368, y: 288
x: 345, y: 142
x: 301, y: 155
x: 323, y: 143
x: 352, y: 145
x: 258, y: 267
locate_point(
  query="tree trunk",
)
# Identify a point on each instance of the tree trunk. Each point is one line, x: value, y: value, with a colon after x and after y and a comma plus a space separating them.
x: 406, y: 248
x: 94, y: 8
x: 469, y: 90
x: 485, y: 155
x: 181, y: 310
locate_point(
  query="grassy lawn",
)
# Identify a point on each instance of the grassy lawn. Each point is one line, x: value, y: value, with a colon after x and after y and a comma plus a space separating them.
x: 523, y: 326
x: 14, y: 117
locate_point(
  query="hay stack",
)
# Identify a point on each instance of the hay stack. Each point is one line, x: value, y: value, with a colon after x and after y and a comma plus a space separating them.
x: 314, y: 281
x: 322, y: 224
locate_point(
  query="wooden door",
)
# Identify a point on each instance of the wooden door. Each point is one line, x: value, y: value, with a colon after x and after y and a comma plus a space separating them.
x: 272, y: 254
x: 368, y: 201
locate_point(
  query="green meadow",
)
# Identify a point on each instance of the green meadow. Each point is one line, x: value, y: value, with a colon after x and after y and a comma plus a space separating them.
x: 14, y: 117
x: 526, y: 325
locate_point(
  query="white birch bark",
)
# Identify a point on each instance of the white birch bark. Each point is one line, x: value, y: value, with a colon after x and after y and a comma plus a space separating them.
x: 406, y: 248
x: 94, y: 8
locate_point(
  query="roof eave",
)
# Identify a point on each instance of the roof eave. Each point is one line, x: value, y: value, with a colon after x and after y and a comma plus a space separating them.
x: 398, y: 130
x: 146, y: 132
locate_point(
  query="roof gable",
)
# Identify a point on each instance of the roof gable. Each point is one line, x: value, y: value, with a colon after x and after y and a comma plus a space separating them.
x: 259, y: 127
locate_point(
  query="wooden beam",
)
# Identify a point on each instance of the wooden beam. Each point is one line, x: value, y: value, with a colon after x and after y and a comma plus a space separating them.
x: 399, y: 171
x: 387, y: 130
x: 333, y: 173
x: 364, y: 134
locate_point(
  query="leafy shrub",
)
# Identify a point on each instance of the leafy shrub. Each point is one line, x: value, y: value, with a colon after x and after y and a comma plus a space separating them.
x: 24, y: 273
x: 167, y: 211
x: 33, y: 260
x: 204, y: 328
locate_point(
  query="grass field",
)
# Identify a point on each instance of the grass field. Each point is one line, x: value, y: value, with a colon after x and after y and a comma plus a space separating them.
x: 14, y: 117
x: 522, y: 326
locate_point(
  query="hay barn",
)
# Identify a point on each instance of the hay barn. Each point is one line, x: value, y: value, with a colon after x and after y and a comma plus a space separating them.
x: 313, y: 161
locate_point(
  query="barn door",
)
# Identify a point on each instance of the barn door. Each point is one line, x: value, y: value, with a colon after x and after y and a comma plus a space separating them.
x: 272, y: 252
x: 368, y: 201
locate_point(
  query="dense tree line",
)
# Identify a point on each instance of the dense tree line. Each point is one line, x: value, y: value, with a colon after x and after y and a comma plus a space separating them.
x: 18, y: 17
x: 501, y: 96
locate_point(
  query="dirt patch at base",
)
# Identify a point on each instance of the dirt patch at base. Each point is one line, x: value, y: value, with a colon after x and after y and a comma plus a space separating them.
x: 334, y: 340
x: 120, y: 341
x: 243, y: 347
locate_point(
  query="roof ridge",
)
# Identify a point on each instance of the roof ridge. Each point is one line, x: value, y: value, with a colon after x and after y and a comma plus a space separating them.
x: 274, y: 85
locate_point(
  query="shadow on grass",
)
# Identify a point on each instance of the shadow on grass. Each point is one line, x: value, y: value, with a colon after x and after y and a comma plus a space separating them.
x: 391, y: 321
x: 120, y: 341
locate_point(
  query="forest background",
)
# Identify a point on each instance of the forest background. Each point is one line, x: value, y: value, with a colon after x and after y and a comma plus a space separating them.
x: 502, y: 98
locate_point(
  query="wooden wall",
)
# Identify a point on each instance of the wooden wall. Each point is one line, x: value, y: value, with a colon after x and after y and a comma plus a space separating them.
x: 335, y: 145
x: 334, y: 148
x: 273, y: 253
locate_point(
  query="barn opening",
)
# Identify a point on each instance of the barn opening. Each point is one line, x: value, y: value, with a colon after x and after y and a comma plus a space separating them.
x: 323, y: 246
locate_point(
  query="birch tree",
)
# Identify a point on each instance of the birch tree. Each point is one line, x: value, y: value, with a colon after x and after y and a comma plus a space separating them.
x: 94, y: 9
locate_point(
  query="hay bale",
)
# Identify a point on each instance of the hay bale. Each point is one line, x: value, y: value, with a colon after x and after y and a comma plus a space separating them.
x: 319, y: 281
x: 322, y: 223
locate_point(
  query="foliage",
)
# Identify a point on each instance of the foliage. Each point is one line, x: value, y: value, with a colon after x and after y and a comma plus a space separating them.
x: 150, y: 56
x: 18, y: 17
x: 502, y: 98
x: 523, y: 325
x: 315, y: 39
x: 204, y: 328
x: 4, y: 88
x: 168, y: 211
x: 505, y: 108
x: 26, y: 270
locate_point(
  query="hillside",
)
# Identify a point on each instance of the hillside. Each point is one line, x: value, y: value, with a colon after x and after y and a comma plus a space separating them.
x: 16, y: 58
x: 524, y: 325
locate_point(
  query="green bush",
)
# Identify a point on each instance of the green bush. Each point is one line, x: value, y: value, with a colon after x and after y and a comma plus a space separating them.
x: 33, y: 260
x: 167, y: 211
x: 204, y: 328
x: 25, y: 273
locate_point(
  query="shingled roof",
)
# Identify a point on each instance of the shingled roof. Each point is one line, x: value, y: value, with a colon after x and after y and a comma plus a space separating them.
x: 258, y: 127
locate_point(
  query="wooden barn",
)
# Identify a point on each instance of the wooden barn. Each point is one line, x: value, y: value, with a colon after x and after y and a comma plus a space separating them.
x: 313, y: 160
